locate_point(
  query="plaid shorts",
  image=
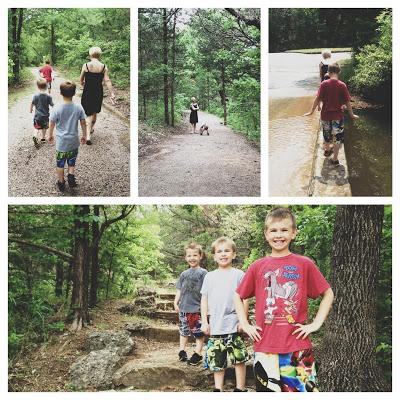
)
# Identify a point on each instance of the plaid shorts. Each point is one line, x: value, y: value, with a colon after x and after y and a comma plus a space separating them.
x: 224, y: 348
x: 42, y: 123
x: 190, y: 325
x: 288, y: 372
x: 68, y: 157
x: 333, y: 131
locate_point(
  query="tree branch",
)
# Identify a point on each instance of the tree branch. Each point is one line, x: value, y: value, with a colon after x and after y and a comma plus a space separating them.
x: 49, y: 249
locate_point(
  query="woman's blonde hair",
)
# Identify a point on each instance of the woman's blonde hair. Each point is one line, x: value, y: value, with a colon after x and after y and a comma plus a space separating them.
x: 193, y: 99
x: 95, y: 52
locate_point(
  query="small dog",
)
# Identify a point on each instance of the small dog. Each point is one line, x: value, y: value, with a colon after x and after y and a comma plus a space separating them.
x: 204, y: 128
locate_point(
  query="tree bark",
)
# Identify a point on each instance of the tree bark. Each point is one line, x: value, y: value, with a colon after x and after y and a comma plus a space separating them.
x: 223, y: 92
x: 348, y: 359
x: 79, y: 304
x: 16, y: 21
x: 165, y: 63
x: 53, y: 43
x: 95, y: 270
x: 59, y: 279
x: 173, y: 70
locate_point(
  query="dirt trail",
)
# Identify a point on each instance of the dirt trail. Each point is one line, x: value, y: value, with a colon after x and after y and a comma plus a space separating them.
x: 222, y: 164
x: 102, y: 169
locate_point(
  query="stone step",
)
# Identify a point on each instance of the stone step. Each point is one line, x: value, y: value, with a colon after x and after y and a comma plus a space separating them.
x: 166, y: 296
x: 165, y: 305
x: 171, y: 316
x: 163, y: 372
x: 167, y: 334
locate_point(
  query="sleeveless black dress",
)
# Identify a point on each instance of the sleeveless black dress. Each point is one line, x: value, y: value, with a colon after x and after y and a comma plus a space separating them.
x: 92, y: 96
x: 194, y: 119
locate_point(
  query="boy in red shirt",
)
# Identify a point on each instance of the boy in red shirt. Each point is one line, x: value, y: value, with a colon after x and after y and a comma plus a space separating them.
x: 281, y: 284
x: 46, y: 72
x: 333, y: 94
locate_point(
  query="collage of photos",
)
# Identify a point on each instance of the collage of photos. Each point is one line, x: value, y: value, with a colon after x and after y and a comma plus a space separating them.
x: 199, y: 199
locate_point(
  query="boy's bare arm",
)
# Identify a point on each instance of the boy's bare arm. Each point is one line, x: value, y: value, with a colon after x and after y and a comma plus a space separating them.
x: 350, y: 110
x: 205, y: 327
x: 31, y: 108
x: 51, y: 131
x: 326, y: 303
x: 317, y: 100
x: 84, y: 131
x: 252, y: 331
x: 176, y: 300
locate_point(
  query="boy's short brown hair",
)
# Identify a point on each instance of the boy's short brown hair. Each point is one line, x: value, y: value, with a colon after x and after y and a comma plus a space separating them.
x: 279, y: 214
x: 334, y: 68
x: 194, y: 246
x: 41, y: 83
x: 47, y: 61
x: 68, y: 89
x: 223, y: 239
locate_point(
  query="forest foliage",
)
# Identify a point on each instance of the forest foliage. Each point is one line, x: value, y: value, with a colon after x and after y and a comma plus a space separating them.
x: 64, y: 36
x: 368, y: 31
x: 210, y: 54
x: 145, y: 247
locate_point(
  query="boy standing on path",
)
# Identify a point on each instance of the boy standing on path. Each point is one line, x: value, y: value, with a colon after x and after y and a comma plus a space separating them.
x: 187, y: 304
x: 281, y: 284
x: 46, y: 72
x: 41, y: 101
x: 217, y: 300
x: 334, y: 94
x: 65, y: 117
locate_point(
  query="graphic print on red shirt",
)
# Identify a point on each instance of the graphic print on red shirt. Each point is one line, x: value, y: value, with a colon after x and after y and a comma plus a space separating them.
x: 334, y: 94
x: 282, y: 286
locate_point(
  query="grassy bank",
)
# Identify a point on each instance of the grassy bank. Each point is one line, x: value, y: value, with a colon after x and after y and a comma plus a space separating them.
x: 318, y: 51
x: 15, y: 92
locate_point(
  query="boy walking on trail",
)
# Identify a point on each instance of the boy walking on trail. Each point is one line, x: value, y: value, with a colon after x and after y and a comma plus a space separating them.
x: 65, y: 118
x: 41, y: 102
x: 187, y: 304
x: 225, y: 342
x: 46, y: 72
x: 333, y: 94
x: 281, y: 284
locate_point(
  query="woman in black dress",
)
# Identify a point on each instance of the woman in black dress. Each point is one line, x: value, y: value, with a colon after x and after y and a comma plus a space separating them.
x: 92, y: 76
x: 194, y: 119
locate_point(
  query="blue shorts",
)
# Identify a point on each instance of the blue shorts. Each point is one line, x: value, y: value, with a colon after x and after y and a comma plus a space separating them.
x: 333, y: 131
x: 68, y: 157
x: 41, y: 123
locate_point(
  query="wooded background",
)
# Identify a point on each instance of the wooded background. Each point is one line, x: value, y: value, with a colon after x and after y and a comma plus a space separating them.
x: 65, y: 260
x: 210, y: 54
x: 64, y: 36
x: 367, y: 31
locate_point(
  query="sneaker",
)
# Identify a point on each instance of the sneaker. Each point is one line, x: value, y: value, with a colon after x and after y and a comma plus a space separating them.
x: 36, y: 142
x: 216, y: 390
x: 182, y: 355
x: 88, y: 142
x: 195, y: 359
x: 238, y: 390
x: 71, y: 181
x: 335, y: 162
x: 61, y: 186
x: 43, y: 141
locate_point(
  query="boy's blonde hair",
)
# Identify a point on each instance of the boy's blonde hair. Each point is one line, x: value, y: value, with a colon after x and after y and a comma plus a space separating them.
x: 279, y: 214
x: 95, y: 52
x: 326, y: 54
x: 41, y: 83
x: 194, y: 246
x: 223, y: 239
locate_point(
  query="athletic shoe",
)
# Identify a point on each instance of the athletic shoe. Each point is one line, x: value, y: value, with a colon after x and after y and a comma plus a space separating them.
x: 71, y: 181
x: 182, y: 355
x: 61, y: 186
x: 238, y: 390
x: 36, y: 142
x: 195, y: 359
x: 216, y: 390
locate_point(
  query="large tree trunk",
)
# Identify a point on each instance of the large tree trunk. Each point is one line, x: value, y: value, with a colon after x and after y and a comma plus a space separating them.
x: 94, y: 276
x: 16, y: 21
x: 165, y: 62
x: 348, y: 358
x: 223, y: 92
x: 173, y: 70
x: 79, y: 304
x: 59, y: 279
x: 53, y: 43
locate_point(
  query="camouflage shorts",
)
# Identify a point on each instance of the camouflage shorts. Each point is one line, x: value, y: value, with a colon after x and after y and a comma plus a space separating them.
x: 222, y: 348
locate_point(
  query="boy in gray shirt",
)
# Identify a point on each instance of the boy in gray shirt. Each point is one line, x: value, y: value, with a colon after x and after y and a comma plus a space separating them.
x: 187, y: 303
x: 41, y: 102
x: 65, y: 117
x: 217, y: 301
